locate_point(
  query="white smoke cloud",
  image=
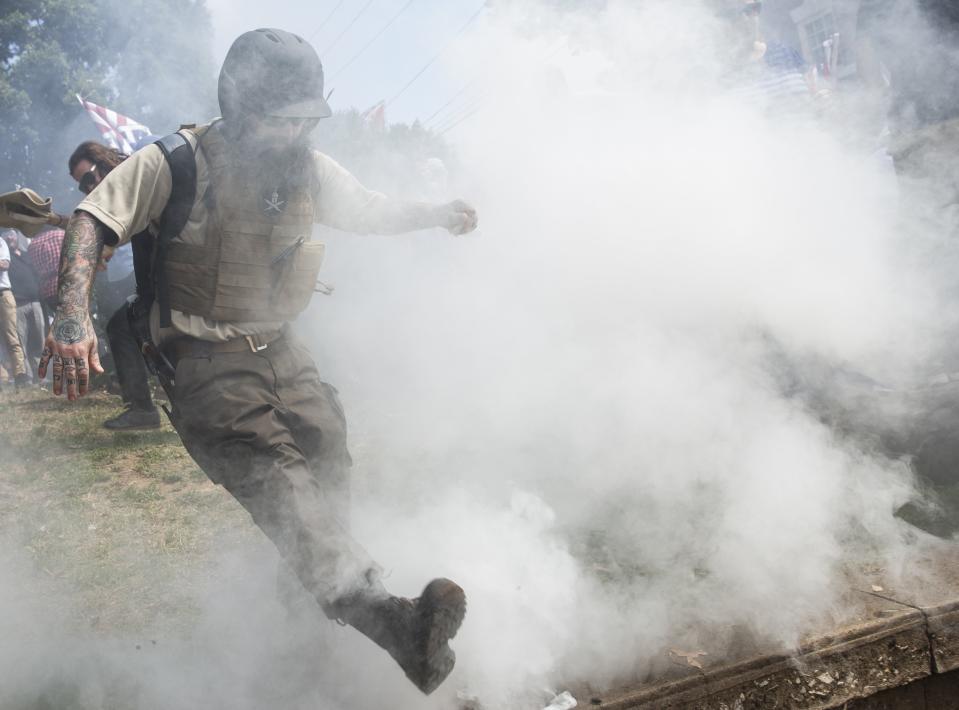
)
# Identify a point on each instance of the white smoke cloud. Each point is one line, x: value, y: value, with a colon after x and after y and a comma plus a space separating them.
x: 603, y: 347
x: 578, y: 412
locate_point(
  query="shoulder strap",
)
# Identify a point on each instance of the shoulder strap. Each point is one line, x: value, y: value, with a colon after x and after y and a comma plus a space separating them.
x: 178, y: 152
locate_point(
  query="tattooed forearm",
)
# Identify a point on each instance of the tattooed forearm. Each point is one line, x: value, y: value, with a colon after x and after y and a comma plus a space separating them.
x: 81, y: 250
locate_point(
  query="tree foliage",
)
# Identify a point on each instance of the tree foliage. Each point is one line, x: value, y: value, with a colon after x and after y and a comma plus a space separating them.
x: 391, y: 160
x: 148, y: 59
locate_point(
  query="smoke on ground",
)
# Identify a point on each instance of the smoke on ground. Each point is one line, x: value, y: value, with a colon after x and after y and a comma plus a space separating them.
x: 579, y: 412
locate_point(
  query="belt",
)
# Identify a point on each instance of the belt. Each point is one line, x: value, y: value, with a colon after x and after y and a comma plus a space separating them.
x: 193, y: 347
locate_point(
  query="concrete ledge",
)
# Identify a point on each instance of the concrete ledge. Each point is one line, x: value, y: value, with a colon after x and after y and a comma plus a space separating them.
x: 828, y: 672
x: 943, y: 624
x: 901, y: 652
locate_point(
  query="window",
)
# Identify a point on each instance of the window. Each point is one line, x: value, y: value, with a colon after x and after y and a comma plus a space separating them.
x: 817, y: 31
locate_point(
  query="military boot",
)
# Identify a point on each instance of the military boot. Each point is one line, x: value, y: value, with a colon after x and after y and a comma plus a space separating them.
x: 415, y: 632
x: 134, y: 418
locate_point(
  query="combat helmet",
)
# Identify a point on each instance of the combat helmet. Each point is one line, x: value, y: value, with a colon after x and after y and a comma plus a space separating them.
x: 270, y: 72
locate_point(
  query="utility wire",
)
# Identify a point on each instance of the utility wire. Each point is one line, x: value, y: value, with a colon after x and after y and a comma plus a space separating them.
x: 327, y: 19
x: 452, y: 99
x: 375, y: 37
x: 455, y: 124
x: 440, y: 127
x: 458, y: 114
x: 549, y: 55
x: 347, y: 28
x: 438, y: 54
x: 468, y: 104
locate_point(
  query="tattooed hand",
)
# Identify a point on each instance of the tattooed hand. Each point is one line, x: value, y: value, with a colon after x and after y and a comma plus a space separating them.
x: 72, y: 344
x: 72, y: 348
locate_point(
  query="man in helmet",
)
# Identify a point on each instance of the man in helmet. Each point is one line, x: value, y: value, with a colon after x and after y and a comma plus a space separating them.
x: 239, y: 266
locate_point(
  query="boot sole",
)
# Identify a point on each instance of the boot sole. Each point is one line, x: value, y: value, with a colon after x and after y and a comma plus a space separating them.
x: 440, y: 611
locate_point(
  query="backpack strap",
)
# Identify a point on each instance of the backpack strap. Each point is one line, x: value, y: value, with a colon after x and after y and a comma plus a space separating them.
x: 179, y: 155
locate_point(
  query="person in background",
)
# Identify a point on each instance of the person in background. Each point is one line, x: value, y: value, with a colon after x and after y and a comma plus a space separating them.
x: 8, y: 320
x: 764, y: 73
x: 907, y: 52
x: 44, y: 255
x: 89, y: 164
x: 26, y: 292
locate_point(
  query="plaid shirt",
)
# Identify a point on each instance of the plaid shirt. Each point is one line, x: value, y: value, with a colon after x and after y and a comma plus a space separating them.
x: 44, y: 253
x: 776, y: 83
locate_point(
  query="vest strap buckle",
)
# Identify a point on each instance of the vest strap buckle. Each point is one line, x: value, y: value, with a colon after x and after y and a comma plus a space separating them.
x: 256, y: 344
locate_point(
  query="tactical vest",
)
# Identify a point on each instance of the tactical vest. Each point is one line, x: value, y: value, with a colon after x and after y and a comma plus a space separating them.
x: 257, y: 262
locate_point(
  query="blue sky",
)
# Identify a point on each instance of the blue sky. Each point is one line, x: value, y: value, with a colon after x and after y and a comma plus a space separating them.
x: 415, y: 37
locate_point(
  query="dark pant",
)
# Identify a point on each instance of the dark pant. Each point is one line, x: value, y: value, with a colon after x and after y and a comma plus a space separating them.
x: 131, y: 370
x: 49, y: 306
x: 267, y: 429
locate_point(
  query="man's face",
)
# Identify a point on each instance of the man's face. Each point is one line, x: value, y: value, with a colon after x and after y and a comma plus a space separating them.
x: 87, y: 176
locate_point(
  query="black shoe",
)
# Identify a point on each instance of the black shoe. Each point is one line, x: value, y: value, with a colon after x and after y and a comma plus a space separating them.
x: 21, y: 381
x: 134, y: 419
x: 415, y: 632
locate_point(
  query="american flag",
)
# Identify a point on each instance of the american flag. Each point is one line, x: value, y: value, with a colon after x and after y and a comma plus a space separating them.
x: 118, y: 131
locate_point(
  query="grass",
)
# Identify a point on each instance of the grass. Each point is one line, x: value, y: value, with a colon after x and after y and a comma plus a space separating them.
x: 121, y: 523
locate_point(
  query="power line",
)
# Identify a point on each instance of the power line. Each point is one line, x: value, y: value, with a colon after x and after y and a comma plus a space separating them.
x: 452, y: 99
x: 549, y: 55
x: 375, y: 37
x: 347, y: 28
x: 438, y: 54
x: 454, y: 117
x: 455, y: 124
x: 444, y: 123
x: 559, y: 45
x: 327, y: 19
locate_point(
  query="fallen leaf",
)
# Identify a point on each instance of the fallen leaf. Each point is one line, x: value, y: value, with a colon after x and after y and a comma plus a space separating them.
x: 691, y: 657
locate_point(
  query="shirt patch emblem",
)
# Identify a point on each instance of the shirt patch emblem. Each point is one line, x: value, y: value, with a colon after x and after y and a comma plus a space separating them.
x: 274, y: 205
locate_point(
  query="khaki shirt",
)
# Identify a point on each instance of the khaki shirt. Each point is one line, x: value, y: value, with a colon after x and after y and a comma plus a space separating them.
x: 132, y: 198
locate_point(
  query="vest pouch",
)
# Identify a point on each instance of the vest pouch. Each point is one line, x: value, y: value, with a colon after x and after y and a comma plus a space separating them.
x: 295, y: 277
x: 191, y: 273
x: 249, y: 281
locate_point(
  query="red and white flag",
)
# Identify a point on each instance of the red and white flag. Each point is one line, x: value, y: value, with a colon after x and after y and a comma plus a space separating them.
x: 118, y: 131
x: 375, y: 116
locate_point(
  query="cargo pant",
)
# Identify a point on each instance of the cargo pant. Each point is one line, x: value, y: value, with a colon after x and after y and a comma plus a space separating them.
x: 267, y: 429
x: 8, y: 331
